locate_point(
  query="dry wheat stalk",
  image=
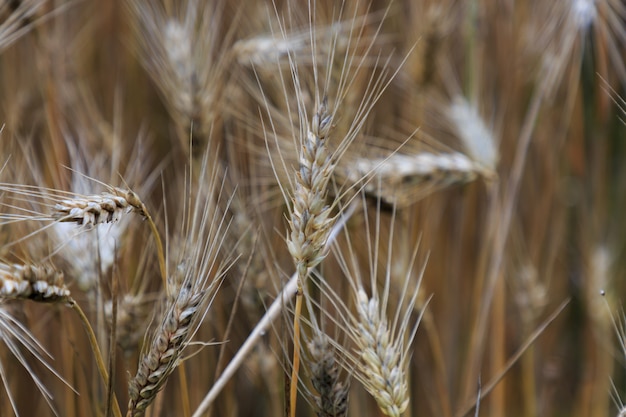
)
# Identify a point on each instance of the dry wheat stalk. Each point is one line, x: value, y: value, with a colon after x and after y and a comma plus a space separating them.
x: 33, y: 282
x: 332, y: 400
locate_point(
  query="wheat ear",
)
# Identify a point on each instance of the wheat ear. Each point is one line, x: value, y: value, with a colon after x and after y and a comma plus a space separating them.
x: 310, y: 220
x: 157, y: 364
x: 382, y: 359
x: 33, y: 282
x: 45, y: 284
x: 106, y: 208
x: 332, y: 400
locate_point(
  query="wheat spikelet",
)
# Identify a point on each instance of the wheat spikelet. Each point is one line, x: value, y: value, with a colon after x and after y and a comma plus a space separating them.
x: 190, y: 287
x: 332, y: 398
x: 311, y: 45
x: 381, y: 334
x: 172, y: 335
x: 33, y: 282
x: 64, y: 206
x: 92, y: 210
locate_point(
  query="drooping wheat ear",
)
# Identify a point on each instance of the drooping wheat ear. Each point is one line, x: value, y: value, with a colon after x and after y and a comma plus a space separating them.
x: 383, y: 361
x: 33, y: 282
x: 402, y: 178
x: 92, y: 210
x: 332, y: 400
x: 310, y: 220
x: 267, y: 50
x: 167, y: 345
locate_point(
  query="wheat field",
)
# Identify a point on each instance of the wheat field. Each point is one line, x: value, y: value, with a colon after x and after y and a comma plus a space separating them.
x: 312, y: 208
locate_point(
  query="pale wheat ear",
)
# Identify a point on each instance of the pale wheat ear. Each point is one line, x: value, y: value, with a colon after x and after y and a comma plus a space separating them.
x: 381, y: 335
x: 185, y: 52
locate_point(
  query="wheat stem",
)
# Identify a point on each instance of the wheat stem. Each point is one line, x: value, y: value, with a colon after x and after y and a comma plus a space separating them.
x: 97, y: 353
x: 293, y: 388
x: 136, y: 203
